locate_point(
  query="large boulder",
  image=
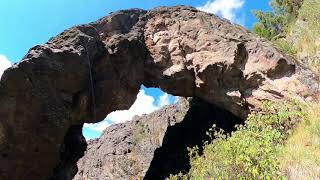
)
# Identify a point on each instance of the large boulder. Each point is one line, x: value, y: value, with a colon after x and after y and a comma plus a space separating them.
x: 91, y: 70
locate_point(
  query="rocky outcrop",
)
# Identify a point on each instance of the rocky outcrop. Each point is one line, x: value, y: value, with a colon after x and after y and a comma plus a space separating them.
x: 90, y: 70
x: 125, y: 151
x: 153, y: 146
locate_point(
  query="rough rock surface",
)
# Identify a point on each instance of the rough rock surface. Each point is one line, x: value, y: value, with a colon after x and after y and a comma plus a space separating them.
x: 125, y: 150
x: 90, y: 70
x: 153, y: 146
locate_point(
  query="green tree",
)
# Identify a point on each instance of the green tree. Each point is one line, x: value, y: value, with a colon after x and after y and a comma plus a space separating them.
x: 273, y: 23
x: 291, y: 7
x: 269, y: 24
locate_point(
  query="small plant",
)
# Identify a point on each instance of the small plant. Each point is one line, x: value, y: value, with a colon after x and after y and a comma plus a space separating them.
x: 139, y: 132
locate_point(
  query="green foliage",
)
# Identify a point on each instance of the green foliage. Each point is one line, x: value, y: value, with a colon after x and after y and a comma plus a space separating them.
x: 291, y: 7
x: 251, y: 152
x: 273, y: 23
x: 269, y: 24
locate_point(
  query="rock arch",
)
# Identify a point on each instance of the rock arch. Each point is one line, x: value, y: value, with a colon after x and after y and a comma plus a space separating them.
x: 90, y: 70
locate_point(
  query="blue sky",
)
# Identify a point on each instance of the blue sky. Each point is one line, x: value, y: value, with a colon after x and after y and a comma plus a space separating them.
x: 26, y: 23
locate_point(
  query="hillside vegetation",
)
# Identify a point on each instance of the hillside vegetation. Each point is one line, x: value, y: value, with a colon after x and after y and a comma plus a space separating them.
x: 294, y: 27
x: 299, y: 158
x: 280, y: 141
x: 251, y: 152
x: 304, y: 35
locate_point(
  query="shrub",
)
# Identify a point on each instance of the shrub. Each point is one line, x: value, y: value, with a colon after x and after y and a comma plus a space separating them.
x: 251, y: 152
x: 269, y: 25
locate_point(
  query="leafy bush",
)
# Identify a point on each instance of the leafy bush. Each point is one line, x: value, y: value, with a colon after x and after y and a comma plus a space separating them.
x: 269, y: 25
x: 251, y: 152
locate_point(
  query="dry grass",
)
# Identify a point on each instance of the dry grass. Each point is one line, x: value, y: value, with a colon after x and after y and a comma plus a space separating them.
x: 300, y: 158
x: 305, y: 32
x: 310, y: 36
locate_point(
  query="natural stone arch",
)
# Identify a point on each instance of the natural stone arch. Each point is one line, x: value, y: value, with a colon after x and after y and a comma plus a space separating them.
x: 91, y: 70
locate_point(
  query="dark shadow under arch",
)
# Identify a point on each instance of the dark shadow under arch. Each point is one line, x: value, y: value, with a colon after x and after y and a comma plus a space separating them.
x: 172, y: 157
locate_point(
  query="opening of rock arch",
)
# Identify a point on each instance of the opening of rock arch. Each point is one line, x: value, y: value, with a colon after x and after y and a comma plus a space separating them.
x: 147, y: 101
x: 91, y: 70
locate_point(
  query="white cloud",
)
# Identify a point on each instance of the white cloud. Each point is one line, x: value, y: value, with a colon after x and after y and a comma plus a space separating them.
x: 164, y: 100
x: 226, y: 8
x: 99, y: 127
x: 144, y: 104
x: 4, y: 64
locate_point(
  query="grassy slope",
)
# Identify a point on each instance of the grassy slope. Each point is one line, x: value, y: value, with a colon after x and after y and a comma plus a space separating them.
x: 300, y: 158
x: 304, y: 34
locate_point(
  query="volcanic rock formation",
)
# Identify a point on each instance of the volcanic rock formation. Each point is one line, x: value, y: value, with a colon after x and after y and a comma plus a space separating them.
x: 125, y: 151
x: 91, y: 70
x: 153, y: 146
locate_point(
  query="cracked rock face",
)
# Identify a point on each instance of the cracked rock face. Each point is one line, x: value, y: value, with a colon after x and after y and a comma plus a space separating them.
x: 153, y: 146
x: 125, y: 150
x: 91, y: 70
